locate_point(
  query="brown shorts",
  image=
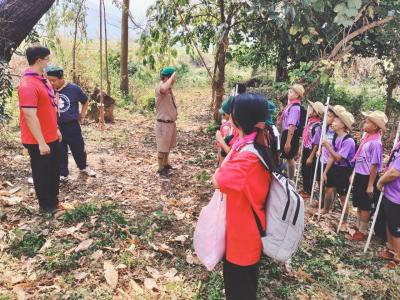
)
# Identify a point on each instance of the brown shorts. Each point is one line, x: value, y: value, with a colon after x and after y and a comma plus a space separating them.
x: 165, y: 136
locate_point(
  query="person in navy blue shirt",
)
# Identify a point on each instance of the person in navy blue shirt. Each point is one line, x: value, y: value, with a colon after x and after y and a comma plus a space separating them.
x: 69, y: 96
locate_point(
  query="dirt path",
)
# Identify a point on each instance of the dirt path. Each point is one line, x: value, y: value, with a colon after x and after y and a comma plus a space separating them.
x: 129, y: 222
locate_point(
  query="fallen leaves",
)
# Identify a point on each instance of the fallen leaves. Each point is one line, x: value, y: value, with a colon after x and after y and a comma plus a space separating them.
x: 83, y: 246
x: 150, y: 284
x: 110, y: 274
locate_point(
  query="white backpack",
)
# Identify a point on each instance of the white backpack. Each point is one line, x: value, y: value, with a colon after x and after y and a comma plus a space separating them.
x: 284, y: 212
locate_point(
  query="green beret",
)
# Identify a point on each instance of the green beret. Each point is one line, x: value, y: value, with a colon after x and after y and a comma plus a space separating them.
x: 271, y: 109
x: 226, y: 106
x: 55, y: 71
x: 168, y: 71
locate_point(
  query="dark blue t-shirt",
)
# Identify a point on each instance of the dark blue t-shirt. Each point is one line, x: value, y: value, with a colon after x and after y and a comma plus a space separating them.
x: 68, y: 106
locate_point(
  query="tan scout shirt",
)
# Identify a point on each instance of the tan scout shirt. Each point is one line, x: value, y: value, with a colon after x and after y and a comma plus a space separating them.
x: 165, y: 106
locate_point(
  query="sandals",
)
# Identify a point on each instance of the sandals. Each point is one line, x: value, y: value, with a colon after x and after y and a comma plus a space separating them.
x: 386, y: 254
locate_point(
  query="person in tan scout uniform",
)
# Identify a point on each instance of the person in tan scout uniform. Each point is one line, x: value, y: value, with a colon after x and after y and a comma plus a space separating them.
x: 166, y: 115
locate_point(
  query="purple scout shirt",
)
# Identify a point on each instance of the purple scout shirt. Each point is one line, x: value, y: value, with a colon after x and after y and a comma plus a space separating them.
x: 325, y: 153
x: 392, y: 189
x: 313, y: 139
x: 291, y: 117
x: 370, y: 154
x: 346, y: 149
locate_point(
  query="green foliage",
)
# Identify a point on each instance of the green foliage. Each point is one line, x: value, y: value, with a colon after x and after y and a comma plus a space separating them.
x: 80, y: 213
x: 27, y: 245
x: 213, y: 287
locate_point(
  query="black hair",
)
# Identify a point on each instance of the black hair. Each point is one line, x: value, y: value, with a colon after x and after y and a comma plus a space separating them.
x: 241, y: 88
x: 36, y: 52
x: 249, y: 110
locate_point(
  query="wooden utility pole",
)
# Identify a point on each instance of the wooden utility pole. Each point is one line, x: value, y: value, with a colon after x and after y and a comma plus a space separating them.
x: 124, y: 80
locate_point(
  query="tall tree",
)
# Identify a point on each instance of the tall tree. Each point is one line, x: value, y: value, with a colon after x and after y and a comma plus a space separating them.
x: 124, y: 82
x: 17, y: 18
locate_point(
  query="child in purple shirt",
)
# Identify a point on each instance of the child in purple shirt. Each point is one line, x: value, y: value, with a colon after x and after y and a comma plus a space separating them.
x: 311, y: 139
x: 338, y: 168
x: 290, y: 120
x: 391, y: 206
x: 368, y: 163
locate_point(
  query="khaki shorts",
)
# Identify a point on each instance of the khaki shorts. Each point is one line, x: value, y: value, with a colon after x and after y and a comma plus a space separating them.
x: 165, y: 136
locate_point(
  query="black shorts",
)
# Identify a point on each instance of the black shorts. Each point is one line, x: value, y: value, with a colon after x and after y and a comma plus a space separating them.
x: 360, y: 196
x: 339, y: 178
x: 294, y: 145
x: 391, y: 211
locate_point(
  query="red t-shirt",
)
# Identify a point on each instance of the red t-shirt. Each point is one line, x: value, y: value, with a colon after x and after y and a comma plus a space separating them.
x: 32, y: 93
x: 244, y: 180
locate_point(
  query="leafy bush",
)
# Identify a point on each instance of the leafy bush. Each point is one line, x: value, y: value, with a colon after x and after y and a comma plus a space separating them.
x: 28, y: 245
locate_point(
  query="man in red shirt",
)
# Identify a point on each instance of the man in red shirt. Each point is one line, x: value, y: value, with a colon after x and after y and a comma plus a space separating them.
x: 39, y: 132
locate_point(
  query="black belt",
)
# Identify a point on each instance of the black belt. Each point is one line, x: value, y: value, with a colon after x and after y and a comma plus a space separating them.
x: 165, y: 121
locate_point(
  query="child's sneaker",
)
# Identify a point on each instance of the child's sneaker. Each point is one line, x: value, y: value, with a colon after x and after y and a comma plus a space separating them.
x: 63, y: 178
x: 88, y: 172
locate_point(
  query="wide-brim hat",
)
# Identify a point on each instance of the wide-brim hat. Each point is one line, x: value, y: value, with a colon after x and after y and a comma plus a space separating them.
x: 299, y: 89
x: 379, y: 118
x: 346, y: 117
x: 318, y: 107
x: 337, y: 109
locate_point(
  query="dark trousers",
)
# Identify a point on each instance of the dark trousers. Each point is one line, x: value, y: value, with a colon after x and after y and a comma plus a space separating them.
x: 72, y: 138
x: 307, y: 172
x: 46, y: 174
x: 240, y: 282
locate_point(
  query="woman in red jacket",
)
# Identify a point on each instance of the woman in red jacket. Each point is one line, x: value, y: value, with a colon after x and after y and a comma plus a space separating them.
x: 245, y: 181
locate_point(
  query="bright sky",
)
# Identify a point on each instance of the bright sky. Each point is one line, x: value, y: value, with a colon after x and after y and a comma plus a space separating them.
x: 138, y: 9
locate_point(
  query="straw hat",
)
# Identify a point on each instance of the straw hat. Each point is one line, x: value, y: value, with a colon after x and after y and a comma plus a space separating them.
x: 337, y: 109
x: 299, y: 89
x: 377, y: 117
x: 346, y: 117
x: 318, y: 107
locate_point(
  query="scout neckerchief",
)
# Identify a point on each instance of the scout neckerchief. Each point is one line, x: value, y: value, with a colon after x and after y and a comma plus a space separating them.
x: 367, y: 138
x: 46, y: 83
x: 306, y: 131
x: 286, y: 110
x: 248, y: 139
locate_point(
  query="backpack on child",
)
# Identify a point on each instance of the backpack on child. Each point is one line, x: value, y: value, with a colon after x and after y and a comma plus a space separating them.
x: 284, y: 210
x: 347, y: 136
x: 303, y: 117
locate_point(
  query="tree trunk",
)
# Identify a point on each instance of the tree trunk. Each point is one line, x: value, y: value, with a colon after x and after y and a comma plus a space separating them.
x: 77, y: 17
x: 392, y: 108
x: 124, y: 83
x: 281, y: 64
x: 219, y: 79
x: 17, y: 18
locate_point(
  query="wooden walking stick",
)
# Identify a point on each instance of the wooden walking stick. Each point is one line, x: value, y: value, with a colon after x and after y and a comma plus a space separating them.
x: 380, y: 199
x: 301, y: 154
x: 323, y: 130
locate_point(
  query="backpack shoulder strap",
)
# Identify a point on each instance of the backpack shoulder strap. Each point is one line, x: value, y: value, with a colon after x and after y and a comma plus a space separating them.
x: 314, y: 128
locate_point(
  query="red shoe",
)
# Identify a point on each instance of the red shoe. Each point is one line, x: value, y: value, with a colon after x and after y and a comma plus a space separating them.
x: 358, y: 236
x: 305, y: 195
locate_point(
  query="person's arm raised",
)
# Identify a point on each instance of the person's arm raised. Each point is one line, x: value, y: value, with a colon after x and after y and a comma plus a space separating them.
x: 165, y: 86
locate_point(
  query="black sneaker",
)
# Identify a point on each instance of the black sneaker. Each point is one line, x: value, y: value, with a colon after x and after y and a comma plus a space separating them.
x: 169, y: 167
x: 163, y: 173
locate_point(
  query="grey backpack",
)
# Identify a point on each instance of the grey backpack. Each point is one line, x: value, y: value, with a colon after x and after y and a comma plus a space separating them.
x: 284, y: 212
